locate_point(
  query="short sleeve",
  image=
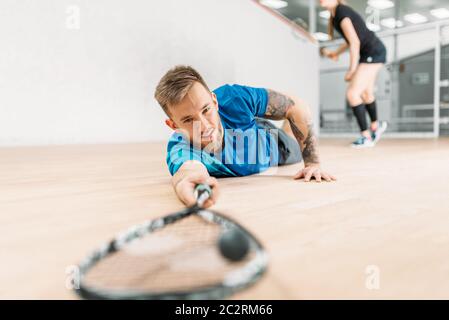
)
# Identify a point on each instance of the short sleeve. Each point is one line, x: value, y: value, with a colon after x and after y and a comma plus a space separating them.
x: 255, y: 98
x: 341, y: 13
x: 178, y: 152
x: 237, y: 99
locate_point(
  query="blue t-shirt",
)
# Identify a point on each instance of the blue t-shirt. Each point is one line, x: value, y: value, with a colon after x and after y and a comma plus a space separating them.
x: 247, y: 150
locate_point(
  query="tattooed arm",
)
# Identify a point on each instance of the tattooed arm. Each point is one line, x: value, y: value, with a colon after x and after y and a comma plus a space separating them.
x: 281, y: 106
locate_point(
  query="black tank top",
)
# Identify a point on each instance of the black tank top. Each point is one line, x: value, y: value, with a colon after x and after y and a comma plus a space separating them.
x: 368, y: 40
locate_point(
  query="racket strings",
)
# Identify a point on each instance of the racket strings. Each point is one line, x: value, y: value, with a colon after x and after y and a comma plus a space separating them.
x: 180, y: 256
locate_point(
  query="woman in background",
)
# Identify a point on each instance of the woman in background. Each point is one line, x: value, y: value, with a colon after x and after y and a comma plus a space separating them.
x: 367, y: 56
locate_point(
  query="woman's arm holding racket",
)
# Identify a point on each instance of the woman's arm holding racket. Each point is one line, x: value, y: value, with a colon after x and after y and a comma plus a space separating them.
x: 334, y: 54
x: 342, y: 48
x: 189, y: 175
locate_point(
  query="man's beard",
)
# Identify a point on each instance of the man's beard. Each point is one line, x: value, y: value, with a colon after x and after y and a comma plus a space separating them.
x: 216, y: 145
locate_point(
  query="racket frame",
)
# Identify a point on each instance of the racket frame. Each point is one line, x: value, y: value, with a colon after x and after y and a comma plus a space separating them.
x: 235, y: 281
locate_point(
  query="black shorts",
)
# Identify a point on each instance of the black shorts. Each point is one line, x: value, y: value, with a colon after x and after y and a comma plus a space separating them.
x: 289, y: 151
x: 375, y: 53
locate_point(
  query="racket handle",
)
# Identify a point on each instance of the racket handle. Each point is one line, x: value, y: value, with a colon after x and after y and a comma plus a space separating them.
x: 202, y: 193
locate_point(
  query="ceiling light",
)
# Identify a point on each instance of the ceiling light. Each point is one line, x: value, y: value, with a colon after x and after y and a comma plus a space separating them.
x: 274, y: 4
x: 391, y: 23
x: 381, y: 4
x: 321, y: 36
x: 325, y: 14
x: 441, y: 13
x: 415, y: 18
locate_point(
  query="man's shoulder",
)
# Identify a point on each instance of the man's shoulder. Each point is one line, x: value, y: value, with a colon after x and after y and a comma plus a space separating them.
x: 227, y: 95
x: 228, y: 92
x: 231, y: 89
x: 225, y: 87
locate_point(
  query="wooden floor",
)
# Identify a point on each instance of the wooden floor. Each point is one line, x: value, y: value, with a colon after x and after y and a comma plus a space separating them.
x: 388, y: 212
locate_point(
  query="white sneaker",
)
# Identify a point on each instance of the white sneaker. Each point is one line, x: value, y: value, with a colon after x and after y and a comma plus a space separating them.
x: 381, y: 128
x: 363, y: 142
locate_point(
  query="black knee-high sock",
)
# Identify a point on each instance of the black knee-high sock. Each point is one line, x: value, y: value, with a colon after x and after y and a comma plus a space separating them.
x: 360, y: 114
x: 372, y: 110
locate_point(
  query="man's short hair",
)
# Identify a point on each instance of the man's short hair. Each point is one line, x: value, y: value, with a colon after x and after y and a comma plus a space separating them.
x: 175, y: 85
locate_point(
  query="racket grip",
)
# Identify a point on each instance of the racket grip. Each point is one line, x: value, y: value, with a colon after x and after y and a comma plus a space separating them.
x: 202, y: 193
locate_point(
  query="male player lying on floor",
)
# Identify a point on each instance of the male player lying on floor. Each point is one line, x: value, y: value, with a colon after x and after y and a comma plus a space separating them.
x: 225, y: 133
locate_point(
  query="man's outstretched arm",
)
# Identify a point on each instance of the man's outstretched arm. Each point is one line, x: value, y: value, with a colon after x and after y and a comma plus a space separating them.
x: 282, y: 106
x: 188, y: 176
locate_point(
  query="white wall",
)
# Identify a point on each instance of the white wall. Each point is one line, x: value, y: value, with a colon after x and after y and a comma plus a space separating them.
x: 95, y: 84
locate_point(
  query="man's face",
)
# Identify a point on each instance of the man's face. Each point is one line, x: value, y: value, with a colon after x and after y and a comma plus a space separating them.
x: 197, y: 117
